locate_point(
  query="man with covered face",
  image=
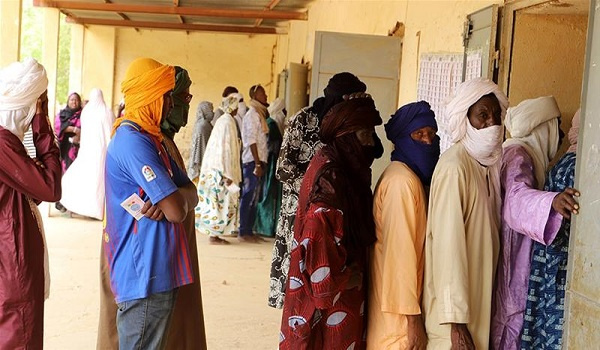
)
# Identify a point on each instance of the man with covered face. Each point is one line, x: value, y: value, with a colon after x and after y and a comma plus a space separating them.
x: 24, y: 183
x: 324, y: 306
x: 462, y: 242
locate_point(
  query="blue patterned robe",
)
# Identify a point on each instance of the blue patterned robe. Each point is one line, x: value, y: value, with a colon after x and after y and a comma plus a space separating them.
x: 544, y: 315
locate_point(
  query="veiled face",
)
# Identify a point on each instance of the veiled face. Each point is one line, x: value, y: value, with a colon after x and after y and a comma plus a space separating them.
x: 485, y: 113
x: 167, y: 105
x: 424, y: 135
x: 365, y: 137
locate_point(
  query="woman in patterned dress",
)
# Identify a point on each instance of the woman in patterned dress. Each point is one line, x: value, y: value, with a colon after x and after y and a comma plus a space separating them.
x: 300, y: 143
x: 220, y: 176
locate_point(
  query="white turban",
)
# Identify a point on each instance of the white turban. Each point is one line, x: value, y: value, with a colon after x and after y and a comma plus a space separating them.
x: 533, y: 124
x: 21, y: 84
x: 466, y: 95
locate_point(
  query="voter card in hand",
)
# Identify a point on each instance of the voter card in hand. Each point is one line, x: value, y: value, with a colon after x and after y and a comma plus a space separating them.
x: 134, y: 204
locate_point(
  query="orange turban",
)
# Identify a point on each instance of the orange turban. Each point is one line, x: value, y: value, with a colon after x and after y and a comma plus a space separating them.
x: 145, y: 83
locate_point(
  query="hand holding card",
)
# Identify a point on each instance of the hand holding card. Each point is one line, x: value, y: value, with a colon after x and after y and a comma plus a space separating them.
x: 133, y: 205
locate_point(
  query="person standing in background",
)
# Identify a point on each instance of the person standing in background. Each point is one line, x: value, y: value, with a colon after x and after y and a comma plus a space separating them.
x: 200, y: 137
x: 254, y: 157
x: 83, y: 182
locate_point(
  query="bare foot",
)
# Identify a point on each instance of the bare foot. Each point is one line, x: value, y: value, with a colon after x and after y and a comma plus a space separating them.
x: 249, y: 239
x: 217, y: 240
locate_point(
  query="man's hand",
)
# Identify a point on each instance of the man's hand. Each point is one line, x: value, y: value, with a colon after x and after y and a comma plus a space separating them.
x: 461, y: 338
x: 152, y: 211
x: 565, y: 204
x: 41, y: 106
x: 39, y: 163
x: 228, y: 182
x: 417, y: 337
x: 258, y: 170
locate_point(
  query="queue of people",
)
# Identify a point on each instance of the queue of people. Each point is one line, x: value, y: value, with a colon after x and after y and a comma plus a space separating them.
x: 463, y: 250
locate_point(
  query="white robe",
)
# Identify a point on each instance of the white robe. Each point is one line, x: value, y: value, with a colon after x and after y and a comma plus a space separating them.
x: 83, y: 182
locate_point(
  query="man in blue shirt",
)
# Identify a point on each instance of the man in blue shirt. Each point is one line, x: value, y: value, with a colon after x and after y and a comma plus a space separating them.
x: 148, y: 258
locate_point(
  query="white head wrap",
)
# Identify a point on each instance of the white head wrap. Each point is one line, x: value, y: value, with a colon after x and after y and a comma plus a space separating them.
x: 483, y: 144
x: 230, y: 103
x: 242, y: 108
x: 21, y: 84
x: 276, y: 113
x: 533, y: 124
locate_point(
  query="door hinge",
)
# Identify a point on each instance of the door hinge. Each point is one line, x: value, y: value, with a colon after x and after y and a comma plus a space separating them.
x: 496, y: 59
x: 467, y: 31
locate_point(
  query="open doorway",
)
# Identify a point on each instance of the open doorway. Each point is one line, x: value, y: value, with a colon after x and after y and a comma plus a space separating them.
x: 544, y: 53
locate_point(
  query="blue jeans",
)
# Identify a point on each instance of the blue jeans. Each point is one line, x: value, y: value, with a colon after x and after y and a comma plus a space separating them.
x: 143, y: 323
x: 248, y: 199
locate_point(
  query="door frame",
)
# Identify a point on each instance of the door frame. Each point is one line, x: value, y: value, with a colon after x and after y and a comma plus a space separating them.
x: 508, y: 13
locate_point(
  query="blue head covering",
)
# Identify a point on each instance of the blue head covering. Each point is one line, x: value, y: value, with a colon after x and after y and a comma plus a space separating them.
x: 420, y: 157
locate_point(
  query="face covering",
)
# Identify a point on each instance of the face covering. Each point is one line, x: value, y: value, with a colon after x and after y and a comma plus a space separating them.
x: 242, y: 109
x: 485, y: 145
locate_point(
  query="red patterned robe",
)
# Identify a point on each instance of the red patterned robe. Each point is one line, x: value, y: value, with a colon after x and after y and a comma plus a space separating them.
x: 23, y: 184
x: 318, y: 311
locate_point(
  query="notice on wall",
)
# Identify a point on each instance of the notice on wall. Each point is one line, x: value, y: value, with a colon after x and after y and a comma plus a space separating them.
x: 439, y: 75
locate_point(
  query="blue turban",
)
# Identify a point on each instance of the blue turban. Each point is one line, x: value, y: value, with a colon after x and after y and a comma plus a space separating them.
x: 420, y: 157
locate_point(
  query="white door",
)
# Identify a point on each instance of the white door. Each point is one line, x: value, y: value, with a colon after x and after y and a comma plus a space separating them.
x: 375, y: 60
x: 296, y: 87
x: 480, y: 33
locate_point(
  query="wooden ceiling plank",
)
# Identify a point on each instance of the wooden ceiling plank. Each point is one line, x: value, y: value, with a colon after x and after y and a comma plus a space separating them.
x: 269, y: 7
x: 176, y: 26
x: 171, y: 10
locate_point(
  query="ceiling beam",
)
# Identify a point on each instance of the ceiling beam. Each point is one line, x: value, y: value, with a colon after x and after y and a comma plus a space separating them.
x: 177, y: 26
x: 122, y: 15
x: 269, y: 7
x: 172, y: 10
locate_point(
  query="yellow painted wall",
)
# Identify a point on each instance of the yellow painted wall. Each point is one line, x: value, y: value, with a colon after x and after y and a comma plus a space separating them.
x: 440, y: 24
x: 547, y: 59
x: 213, y: 61
x: 10, y: 31
x: 98, y: 61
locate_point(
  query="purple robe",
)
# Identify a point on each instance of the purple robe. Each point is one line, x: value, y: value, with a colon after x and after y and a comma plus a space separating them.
x: 527, y: 216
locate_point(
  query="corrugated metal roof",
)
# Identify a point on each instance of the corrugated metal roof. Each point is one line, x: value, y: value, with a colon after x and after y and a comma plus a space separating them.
x: 244, y: 16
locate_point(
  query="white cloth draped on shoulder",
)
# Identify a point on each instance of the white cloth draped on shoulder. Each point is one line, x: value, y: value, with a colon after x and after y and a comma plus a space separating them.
x: 83, y: 182
x: 533, y: 124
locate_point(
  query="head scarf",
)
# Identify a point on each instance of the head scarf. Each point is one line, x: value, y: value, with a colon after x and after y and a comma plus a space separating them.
x: 230, y: 103
x: 276, y: 113
x: 145, y: 83
x: 345, y: 181
x: 574, y: 132
x: 178, y: 117
x: 484, y: 145
x: 420, y: 157
x: 205, y: 111
x: 96, y: 116
x: 533, y: 124
x: 69, y: 115
x: 21, y: 84
x: 202, y: 131
x: 339, y: 85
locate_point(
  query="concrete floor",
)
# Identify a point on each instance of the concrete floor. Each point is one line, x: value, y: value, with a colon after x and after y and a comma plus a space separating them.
x: 235, y: 285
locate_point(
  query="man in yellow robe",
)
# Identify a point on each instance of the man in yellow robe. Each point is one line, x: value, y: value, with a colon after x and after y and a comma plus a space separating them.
x: 399, y: 209
x: 462, y: 242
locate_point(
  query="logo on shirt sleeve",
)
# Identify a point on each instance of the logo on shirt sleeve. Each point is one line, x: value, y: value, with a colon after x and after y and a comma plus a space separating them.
x: 148, y: 173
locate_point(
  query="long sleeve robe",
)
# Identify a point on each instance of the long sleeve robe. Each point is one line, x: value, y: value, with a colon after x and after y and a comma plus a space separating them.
x: 461, y: 249
x: 527, y: 216
x: 23, y: 184
x: 319, y: 312
x: 397, y: 258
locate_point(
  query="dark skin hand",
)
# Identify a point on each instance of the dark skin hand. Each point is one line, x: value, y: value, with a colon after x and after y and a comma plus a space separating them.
x: 41, y: 109
x: 258, y: 170
x: 461, y: 337
x: 565, y: 204
x: 174, y: 207
x: 417, y: 337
